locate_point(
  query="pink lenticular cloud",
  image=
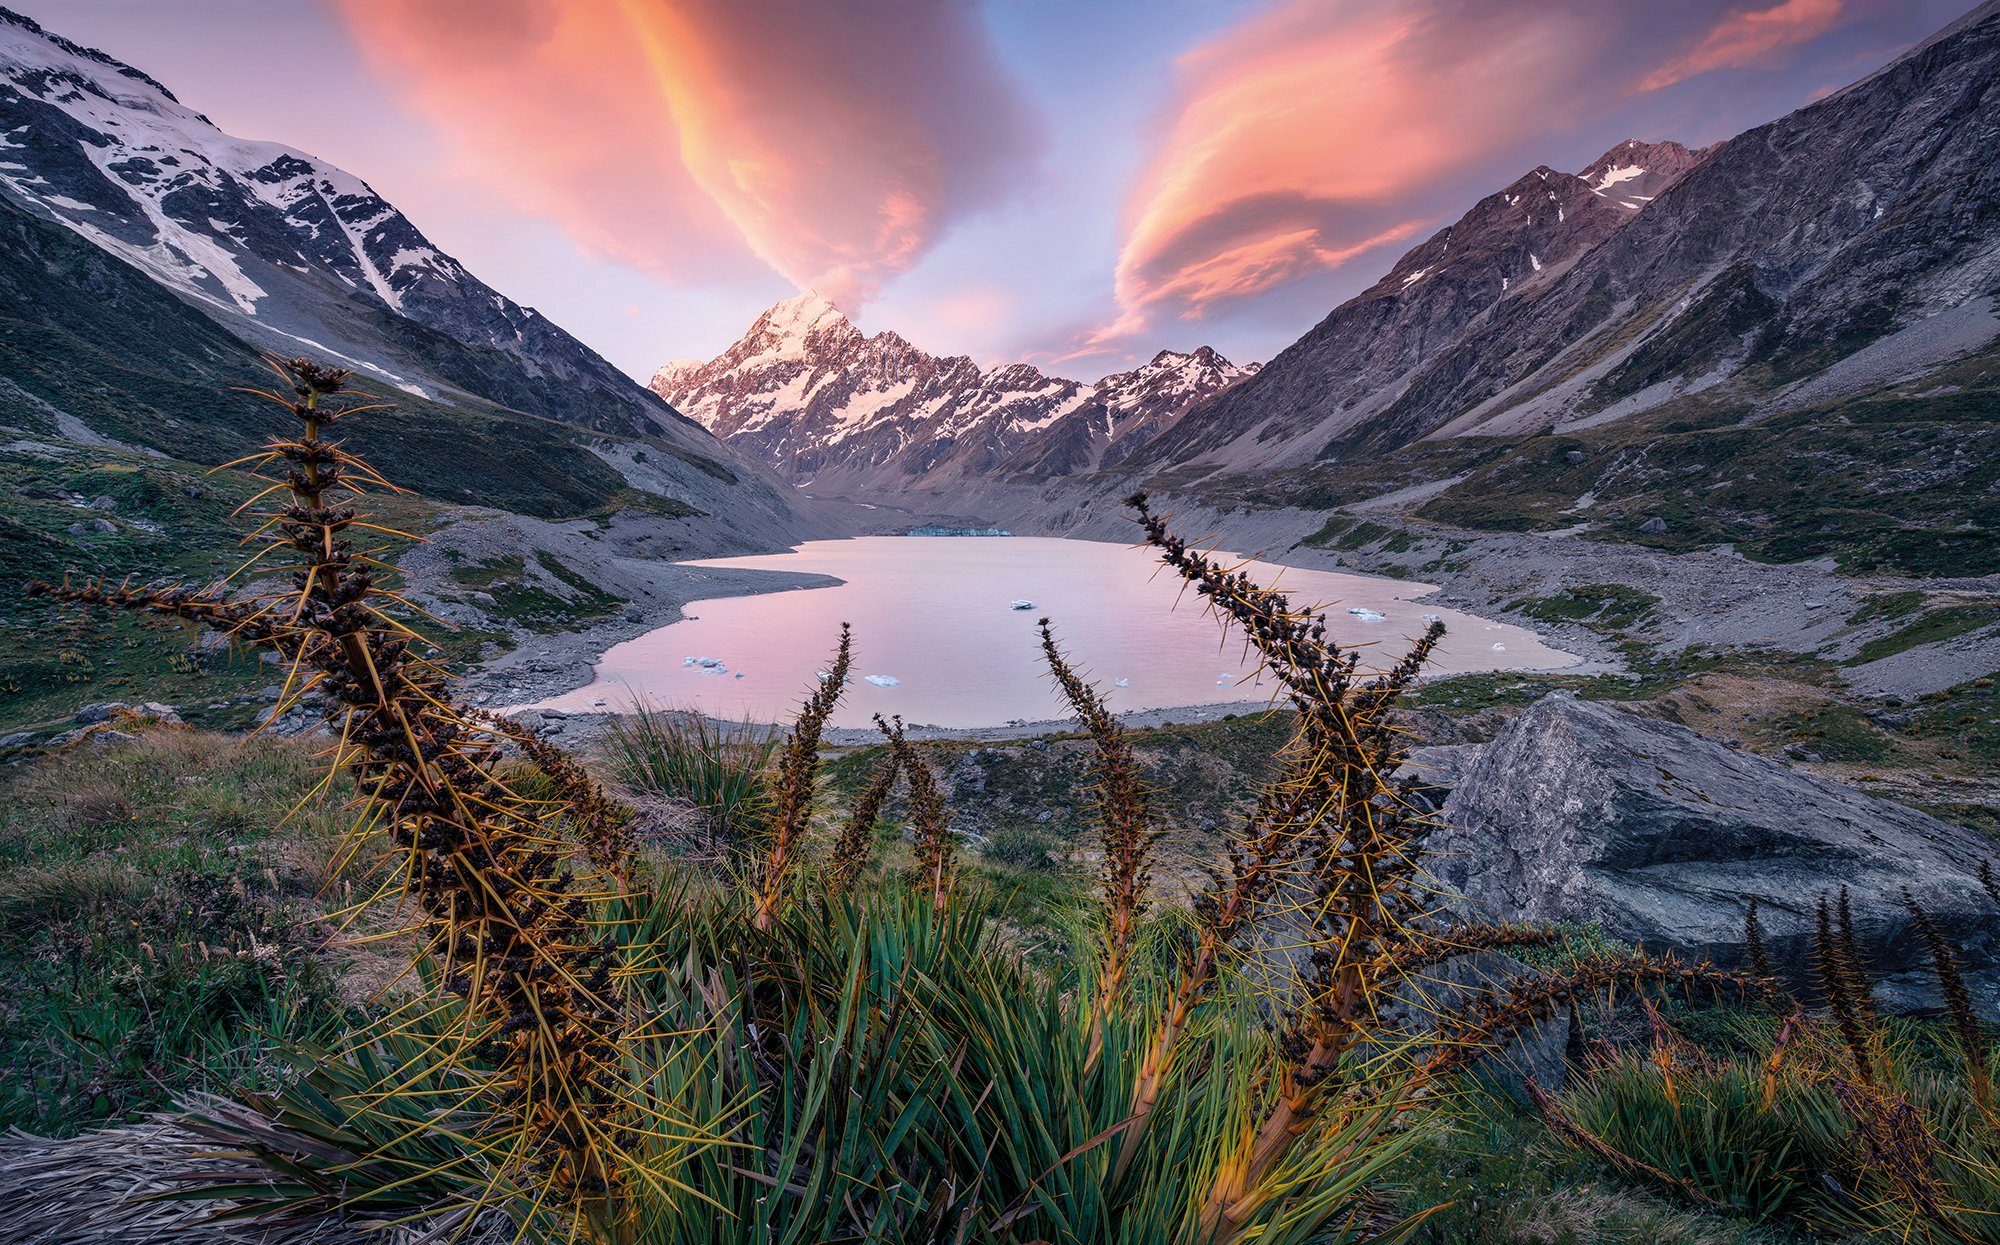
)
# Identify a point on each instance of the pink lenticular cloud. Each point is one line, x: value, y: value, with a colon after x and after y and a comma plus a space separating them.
x: 697, y: 139
x: 1301, y: 135
x: 1750, y: 38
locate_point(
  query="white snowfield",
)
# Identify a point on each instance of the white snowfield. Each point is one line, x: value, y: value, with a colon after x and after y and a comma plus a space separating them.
x: 159, y: 148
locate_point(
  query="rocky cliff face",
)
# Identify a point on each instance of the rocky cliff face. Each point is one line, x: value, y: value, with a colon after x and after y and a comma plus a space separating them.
x: 1853, y: 241
x: 278, y: 246
x: 1512, y: 245
x: 809, y: 393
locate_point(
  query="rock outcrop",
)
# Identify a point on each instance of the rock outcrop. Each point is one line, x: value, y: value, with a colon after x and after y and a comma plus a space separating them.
x: 1583, y: 812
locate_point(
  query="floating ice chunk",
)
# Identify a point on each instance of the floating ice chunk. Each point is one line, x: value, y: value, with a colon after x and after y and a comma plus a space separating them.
x: 882, y: 680
x: 710, y: 662
x: 824, y: 676
x: 1499, y: 648
x: 597, y: 704
x: 1021, y: 604
x: 1367, y: 615
x: 739, y: 674
x: 1433, y: 618
x: 716, y: 670
x: 1122, y: 683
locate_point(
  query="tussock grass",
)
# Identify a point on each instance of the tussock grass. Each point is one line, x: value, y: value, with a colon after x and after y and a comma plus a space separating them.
x: 718, y: 769
x: 165, y: 941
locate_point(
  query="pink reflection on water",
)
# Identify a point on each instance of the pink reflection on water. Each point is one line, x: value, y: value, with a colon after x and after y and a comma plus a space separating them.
x: 933, y: 621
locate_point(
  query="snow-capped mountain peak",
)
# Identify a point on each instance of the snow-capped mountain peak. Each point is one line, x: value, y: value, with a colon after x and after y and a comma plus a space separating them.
x: 284, y: 247
x: 809, y: 392
x: 800, y: 316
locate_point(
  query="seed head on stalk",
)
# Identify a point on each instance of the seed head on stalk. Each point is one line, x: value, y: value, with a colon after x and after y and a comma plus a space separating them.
x: 505, y: 906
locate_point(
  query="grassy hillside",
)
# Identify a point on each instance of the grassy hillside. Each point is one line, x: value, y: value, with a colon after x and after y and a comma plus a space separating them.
x: 86, y: 336
x: 1903, y: 480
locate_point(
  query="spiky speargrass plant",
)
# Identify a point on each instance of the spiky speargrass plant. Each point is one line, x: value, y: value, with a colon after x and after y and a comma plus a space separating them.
x: 857, y: 837
x: 528, y: 972
x: 935, y: 848
x: 1835, y: 1121
x: 792, y: 789
x: 1123, y: 812
x: 597, y: 822
x: 1340, y: 831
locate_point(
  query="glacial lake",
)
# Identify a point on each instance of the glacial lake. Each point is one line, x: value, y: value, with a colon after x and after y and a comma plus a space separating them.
x: 936, y: 637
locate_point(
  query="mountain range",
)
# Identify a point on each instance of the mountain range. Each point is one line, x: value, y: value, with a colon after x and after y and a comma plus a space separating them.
x: 152, y: 255
x: 853, y: 414
x: 1852, y: 244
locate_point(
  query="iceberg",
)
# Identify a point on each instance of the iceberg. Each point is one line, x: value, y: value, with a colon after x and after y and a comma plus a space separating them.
x: 1499, y: 648
x: 1433, y: 618
x: 1367, y: 615
x: 1123, y: 683
x: 882, y: 680
x: 711, y: 663
x: 1021, y: 604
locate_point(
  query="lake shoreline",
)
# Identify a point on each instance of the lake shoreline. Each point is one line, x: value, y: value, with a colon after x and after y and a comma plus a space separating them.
x: 556, y: 671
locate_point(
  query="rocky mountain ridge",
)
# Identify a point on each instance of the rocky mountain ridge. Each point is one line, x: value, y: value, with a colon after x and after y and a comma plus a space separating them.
x: 147, y: 258
x: 280, y: 247
x: 1513, y: 245
x: 1851, y: 242
x: 851, y: 413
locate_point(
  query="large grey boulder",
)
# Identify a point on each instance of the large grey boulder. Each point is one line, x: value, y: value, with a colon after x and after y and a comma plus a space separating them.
x: 1582, y: 812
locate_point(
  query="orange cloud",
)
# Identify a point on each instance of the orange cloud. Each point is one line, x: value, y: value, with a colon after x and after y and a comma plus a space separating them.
x: 698, y: 139
x: 1747, y: 38
x: 1301, y: 137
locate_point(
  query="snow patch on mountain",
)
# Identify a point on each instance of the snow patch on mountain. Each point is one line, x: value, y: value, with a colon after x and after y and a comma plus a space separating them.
x: 275, y: 243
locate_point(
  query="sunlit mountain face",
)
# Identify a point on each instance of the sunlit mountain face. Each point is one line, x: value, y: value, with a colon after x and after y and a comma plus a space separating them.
x: 1078, y: 187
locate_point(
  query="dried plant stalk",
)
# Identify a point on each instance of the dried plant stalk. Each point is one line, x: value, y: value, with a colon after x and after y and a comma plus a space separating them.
x: 792, y: 797
x: 851, y: 848
x: 487, y: 868
x: 936, y: 848
x: 1125, y: 821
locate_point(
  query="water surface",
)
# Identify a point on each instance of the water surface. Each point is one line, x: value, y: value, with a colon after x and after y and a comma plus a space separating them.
x: 936, y: 639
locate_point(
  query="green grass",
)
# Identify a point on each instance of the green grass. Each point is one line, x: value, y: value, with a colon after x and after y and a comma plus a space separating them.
x: 1349, y: 534
x: 171, y: 521
x: 1838, y: 732
x: 1888, y: 605
x: 523, y: 598
x: 719, y: 770
x: 158, y: 922
x: 1605, y: 608
x: 1965, y: 720
x: 1936, y: 625
x: 1487, y: 1161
